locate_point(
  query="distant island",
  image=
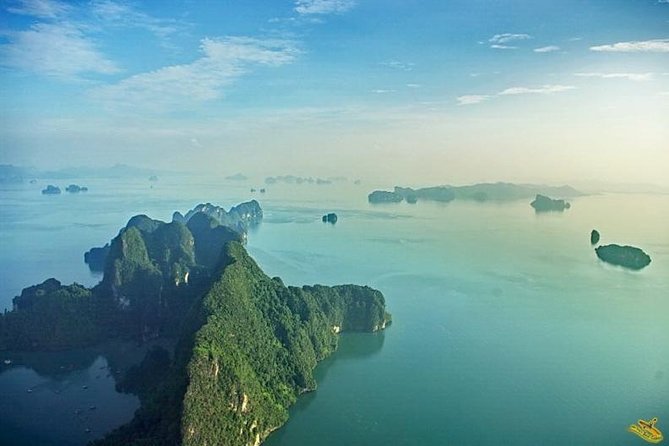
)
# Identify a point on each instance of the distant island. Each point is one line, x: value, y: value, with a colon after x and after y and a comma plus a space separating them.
x: 237, y: 177
x: 18, y: 174
x: 51, y: 190
x: 477, y: 192
x: 292, y: 179
x: 594, y: 237
x: 75, y: 188
x: 330, y: 218
x: 247, y: 343
x: 543, y: 203
x: 382, y: 196
x: 626, y: 256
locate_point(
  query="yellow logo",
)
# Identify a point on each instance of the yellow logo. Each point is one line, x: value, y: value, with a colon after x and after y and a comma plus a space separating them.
x: 647, y: 430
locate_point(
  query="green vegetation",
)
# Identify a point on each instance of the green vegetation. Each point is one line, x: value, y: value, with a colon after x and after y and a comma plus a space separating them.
x: 50, y: 316
x: 247, y: 343
x: 248, y: 349
x: 148, y: 270
x: 259, y: 346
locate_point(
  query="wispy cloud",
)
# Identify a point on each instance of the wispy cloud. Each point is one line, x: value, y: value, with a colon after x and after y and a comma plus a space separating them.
x: 508, y: 37
x: 323, y: 6
x: 628, y: 76
x: 44, y: 9
x: 413, y: 85
x: 382, y: 91
x: 398, y: 65
x: 501, y: 41
x: 639, y: 46
x: 503, y: 47
x: 122, y: 14
x: 223, y: 61
x: 542, y: 90
x: 547, y: 49
x: 63, y: 41
x: 472, y: 99
x: 54, y: 49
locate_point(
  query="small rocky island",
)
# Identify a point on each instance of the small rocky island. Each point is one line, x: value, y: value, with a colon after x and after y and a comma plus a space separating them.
x: 75, y: 189
x: 330, y: 218
x: 51, y: 190
x: 626, y: 256
x: 543, y: 203
x: 247, y: 343
x: 594, y: 237
x: 382, y: 196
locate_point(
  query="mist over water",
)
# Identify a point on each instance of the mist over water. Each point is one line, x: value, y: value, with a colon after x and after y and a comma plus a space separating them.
x: 507, y: 328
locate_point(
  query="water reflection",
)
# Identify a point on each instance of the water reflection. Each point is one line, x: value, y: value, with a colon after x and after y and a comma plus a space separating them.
x: 70, y: 396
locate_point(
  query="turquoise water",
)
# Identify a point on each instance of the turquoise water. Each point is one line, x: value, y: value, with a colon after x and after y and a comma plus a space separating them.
x: 507, y: 328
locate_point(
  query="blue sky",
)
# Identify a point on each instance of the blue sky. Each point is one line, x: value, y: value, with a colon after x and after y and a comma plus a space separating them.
x: 442, y: 91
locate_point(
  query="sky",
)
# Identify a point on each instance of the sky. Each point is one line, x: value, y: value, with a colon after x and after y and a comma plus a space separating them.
x: 413, y: 92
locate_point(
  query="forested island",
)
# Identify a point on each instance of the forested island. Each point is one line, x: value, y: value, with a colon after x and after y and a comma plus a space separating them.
x: 247, y: 344
x: 629, y: 257
x: 477, y: 192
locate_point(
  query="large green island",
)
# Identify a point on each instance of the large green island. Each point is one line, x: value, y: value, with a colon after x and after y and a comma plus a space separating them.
x: 246, y: 344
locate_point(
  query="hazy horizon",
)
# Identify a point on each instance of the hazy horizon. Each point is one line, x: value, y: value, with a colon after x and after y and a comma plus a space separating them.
x: 423, y: 93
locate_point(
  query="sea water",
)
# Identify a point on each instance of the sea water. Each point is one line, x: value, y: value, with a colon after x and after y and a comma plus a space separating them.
x: 506, y: 329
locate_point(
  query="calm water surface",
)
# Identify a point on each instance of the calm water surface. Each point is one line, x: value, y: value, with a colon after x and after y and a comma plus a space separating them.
x: 507, y: 329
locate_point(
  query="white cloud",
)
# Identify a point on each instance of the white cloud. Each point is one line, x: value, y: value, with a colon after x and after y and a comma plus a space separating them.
x: 628, y: 76
x: 45, y: 9
x: 472, y: 99
x: 544, y: 89
x: 323, y: 6
x: 381, y: 91
x: 508, y: 37
x: 223, y: 61
x: 413, y: 85
x: 639, y: 46
x: 62, y: 41
x: 124, y: 15
x: 54, y: 49
x: 398, y: 65
x: 503, y: 47
x: 547, y: 49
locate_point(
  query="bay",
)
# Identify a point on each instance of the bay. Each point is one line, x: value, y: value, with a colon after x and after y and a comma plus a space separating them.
x: 507, y: 328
